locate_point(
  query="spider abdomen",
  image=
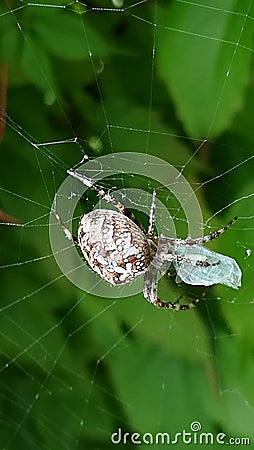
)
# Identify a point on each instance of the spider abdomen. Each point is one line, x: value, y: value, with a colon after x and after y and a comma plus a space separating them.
x: 113, y: 245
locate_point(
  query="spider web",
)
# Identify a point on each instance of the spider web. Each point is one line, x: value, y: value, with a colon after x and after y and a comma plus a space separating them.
x: 85, y: 80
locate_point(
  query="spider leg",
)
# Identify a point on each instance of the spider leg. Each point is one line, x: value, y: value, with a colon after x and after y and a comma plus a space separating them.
x: 150, y: 293
x: 150, y: 231
x: 171, y: 272
x: 179, y: 259
x: 65, y: 229
x: 204, y: 239
x: 106, y: 196
x: 214, y: 234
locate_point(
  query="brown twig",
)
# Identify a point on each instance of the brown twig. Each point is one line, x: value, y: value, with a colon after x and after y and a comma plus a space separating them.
x: 6, y: 218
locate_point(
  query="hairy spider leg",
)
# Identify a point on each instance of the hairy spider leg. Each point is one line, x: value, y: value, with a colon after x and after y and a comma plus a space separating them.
x: 65, y: 230
x: 178, y: 259
x: 150, y: 293
x: 166, y: 255
x: 107, y: 196
x: 150, y: 231
x: 204, y: 239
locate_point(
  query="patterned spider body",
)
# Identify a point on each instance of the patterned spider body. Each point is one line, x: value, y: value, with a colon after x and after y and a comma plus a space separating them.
x: 114, y: 246
x: 117, y: 248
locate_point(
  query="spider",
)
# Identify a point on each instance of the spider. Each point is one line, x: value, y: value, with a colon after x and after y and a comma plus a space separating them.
x: 119, y: 249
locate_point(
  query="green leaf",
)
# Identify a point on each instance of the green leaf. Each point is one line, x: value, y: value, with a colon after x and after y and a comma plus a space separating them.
x: 239, y: 242
x: 142, y: 371
x: 203, y: 58
x: 36, y: 65
x: 68, y: 37
x: 10, y: 44
x: 235, y: 413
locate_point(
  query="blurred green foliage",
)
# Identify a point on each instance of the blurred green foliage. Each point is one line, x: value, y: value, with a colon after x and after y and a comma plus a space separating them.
x: 158, y: 78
